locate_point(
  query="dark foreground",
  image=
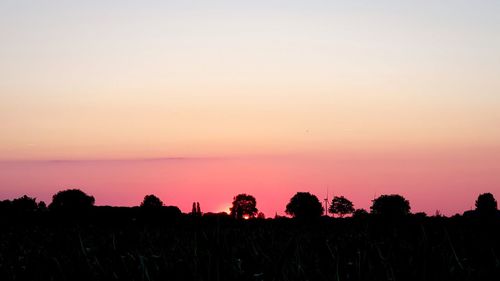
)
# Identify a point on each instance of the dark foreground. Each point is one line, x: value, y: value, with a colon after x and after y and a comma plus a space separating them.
x: 102, y: 247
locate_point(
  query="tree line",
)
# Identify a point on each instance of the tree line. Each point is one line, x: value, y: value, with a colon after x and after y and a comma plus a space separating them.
x: 303, y: 205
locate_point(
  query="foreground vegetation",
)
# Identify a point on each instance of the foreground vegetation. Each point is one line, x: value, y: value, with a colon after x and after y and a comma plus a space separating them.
x: 137, y: 244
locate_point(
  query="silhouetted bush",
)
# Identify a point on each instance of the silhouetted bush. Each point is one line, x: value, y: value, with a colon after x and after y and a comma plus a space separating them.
x: 420, y: 215
x: 486, y: 208
x: 360, y: 213
x: 151, y: 201
x: 244, y: 205
x: 341, y: 206
x: 213, y: 215
x: 42, y: 207
x: 24, y: 204
x: 170, y: 212
x: 215, y: 218
x: 304, y: 205
x: 390, y: 206
x: 72, y: 200
x: 5, y: 206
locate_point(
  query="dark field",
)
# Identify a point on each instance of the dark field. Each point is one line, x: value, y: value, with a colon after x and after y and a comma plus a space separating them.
x: 112, y: 246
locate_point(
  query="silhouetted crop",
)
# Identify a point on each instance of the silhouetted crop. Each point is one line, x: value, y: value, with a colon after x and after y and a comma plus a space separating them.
x: 161, y: 243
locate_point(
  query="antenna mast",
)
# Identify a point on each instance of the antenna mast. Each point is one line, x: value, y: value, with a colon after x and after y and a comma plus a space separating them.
x: 326, y: 202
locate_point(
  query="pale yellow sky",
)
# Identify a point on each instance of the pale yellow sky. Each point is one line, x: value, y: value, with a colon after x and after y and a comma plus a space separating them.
x: 95, y: 80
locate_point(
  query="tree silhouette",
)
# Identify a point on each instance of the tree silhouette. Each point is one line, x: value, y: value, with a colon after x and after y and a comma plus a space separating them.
x: 244, y: 205
x: 304, y: 205
x: 393, y: 205
x: 25, y: 204
x: 420, y: 215
x: 438, y: 214
x: 360, y: 213
x: 42, y: 206
x: 486, y: 204
x: 71, y: 199
x: 341, y: 206
x: 196, y: 211
x: 5, y: 205
x: 151, y: 202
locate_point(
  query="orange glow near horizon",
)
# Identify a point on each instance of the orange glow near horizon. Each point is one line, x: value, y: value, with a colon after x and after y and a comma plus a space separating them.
x: 226, y: 208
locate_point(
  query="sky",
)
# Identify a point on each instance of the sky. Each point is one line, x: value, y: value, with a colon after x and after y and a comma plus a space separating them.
x: 201, y: 100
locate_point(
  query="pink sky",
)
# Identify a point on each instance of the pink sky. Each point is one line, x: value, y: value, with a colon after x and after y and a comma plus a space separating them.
x: 448, y: 182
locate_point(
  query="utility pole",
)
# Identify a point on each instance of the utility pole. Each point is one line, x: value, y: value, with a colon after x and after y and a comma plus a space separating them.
x: 326, y: 202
